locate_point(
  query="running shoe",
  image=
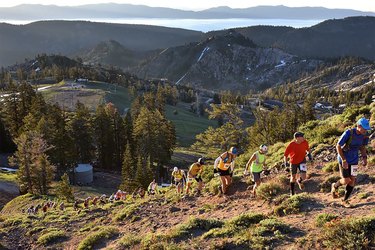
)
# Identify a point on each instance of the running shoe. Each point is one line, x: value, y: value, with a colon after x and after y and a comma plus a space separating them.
x: 345, y: 203
x: 334, y: 191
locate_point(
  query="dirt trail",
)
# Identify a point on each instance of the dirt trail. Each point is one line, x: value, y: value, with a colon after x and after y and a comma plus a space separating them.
x: 157, y: 217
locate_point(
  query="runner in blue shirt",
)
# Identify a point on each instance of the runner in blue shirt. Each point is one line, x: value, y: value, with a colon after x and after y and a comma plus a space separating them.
x: 350, y: 143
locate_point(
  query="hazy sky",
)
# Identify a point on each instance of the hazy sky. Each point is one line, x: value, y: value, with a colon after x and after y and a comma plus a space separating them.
x: 364, y: 5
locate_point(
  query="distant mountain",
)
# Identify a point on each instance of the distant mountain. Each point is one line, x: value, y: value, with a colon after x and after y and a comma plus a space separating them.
x: 352, y: 36
x: 113, y: 53
x: 228, y: 61
x: 72, y: 37
x: 112, y: 10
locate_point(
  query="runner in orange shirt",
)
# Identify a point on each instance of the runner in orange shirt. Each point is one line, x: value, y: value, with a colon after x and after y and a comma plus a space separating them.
x: 296, y: 151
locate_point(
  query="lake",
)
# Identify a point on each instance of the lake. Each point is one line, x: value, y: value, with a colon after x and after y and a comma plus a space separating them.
x: 195, y: 24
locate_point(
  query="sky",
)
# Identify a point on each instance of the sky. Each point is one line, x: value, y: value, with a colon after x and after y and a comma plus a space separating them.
x: 363, y: 5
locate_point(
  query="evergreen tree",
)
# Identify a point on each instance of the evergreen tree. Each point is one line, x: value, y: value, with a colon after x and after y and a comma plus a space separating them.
x: 128, y: 172
x: 231, y: 133
x: 154, y: 135
x: 119, y: 136
x: 143, y: 174
x: 81, y: 132
x: 55, y: 131
x: 35, y: 172
x: 64, y: 189
x: 103, y: 135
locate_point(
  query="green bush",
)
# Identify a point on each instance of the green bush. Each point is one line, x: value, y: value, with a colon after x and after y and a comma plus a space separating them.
x: 235, y: 226
x: 269, y: 226
x: 331, y: 167
x: 364, y: 195
x: 127, y: 212
x: 94, y: 238
x: 212, y: 186
x: 291, y: 205
x: 246, y: 220
x: 353, y: 233
x: 195, y: 224
x: 50, y: 237
x: 267, y: 234
x: 267, y: 191
x: 323, y: 218
x: 129, y: 240
x: 283, y: 179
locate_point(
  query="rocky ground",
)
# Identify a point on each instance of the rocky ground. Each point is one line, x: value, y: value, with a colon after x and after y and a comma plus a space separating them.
x: 158, y: 216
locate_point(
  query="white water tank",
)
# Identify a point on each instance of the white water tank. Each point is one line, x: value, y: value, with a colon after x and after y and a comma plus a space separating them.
x: 83, y: 174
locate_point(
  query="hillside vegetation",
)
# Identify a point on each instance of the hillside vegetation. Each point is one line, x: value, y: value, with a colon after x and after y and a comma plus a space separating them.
x: 312, y: 219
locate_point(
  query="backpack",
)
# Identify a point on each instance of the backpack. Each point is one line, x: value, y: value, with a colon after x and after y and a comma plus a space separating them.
x: 349, y: 141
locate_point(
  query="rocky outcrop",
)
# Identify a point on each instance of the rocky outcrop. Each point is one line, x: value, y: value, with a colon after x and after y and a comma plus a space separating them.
x: 230, y: 61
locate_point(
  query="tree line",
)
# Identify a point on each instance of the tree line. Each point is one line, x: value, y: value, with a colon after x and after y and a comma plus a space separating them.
x: 49, y: 140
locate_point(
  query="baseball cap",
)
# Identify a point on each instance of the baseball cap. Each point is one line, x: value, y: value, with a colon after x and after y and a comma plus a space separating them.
x: 298, y: 134
x: 233, y: 150
x: 364, y: 123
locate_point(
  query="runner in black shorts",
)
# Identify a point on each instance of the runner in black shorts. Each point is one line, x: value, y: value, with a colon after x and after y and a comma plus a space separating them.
x: 350, y: 143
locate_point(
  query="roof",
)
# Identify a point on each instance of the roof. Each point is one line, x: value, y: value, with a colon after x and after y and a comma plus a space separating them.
x: 83, y: 168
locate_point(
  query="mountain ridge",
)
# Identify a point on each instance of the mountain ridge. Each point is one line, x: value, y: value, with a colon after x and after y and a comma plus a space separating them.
x: 113, y: 10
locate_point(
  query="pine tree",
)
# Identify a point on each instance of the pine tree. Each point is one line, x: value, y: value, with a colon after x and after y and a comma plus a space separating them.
x: 154, y: 135
x: 103, y: 136
x: 144, y: 174
x: 128, y: 172
x: 81, y: 132
x: 119, y: 137
x: 35, y: 172
x: 55, y: 132
x: 64, y: 189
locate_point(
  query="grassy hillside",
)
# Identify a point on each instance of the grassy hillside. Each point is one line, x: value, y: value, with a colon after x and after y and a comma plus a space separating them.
x: 187, y: 123
x: 166, y: 221
x: 312, y: 219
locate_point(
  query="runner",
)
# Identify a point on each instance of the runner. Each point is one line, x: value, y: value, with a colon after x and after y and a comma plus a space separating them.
x: 297, y: 150
x: 350, y: 142
x: 179, y: 178
x: 195, y: 172
x: 224, y: 165
x: 257, y: 162
x: 152, y: 188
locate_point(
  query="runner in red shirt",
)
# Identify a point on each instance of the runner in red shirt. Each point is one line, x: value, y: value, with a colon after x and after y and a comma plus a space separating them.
x: 296, y: 151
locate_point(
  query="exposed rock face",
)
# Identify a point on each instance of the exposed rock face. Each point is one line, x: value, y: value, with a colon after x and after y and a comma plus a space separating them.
x: 230, y: 61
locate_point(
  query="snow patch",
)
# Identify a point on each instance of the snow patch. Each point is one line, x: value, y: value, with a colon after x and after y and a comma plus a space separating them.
x: 202, y: 54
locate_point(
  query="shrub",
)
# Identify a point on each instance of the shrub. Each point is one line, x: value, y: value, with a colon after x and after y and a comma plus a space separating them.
x: 212, y: 186
x: 363, y: 195
x: 235, y: 226
x: 50, y: 237
x: 323, y: 218
x: 267, y: 191
x: 283, y: 179
x: 266, y: 234
x: 269, y: 226
x: 331, y: 167
x: 94, y: 238
x: 195, y: 224
x: 353, y: 233
x: 291, y: 205
x: 246, y: 220
x: 129, y: 240
x: 128, y: 211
